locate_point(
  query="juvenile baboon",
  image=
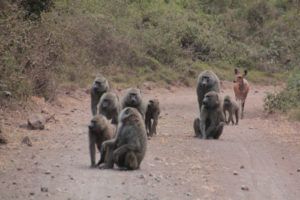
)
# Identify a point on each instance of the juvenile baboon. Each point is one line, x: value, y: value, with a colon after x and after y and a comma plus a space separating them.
x: 230, y: 106
x: 241, y: 88
x: 99, y: 87
x: 99, y: 131
x: 211, y: 122
x: 133, y: 98
x: 152, y: 113
x: 110, y: 107
x: 127, y: 149
x: 207, y: 81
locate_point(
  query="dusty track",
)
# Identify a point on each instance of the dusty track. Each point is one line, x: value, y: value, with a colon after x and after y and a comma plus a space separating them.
x: 262, y: 152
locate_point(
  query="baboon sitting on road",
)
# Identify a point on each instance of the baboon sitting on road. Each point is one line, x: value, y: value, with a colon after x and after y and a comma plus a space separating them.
x: 207, y: 81
x: 127, y: 149
x: 211, y: 122
x: 133, y: 98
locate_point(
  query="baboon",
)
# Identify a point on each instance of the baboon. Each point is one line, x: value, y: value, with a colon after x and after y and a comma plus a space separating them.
x: 207, y: 81
x: 110, y: 106
x: 241, y: 88
x: 211, y: 122
x: 127, y: 149
x: 152, y: 113
x: 99, y: 87
x: 230, y: 106
x: 99, y: 131
x: 133, y: 98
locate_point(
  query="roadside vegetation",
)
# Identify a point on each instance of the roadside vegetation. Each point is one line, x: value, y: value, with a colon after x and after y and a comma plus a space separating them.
x: 45, y: 44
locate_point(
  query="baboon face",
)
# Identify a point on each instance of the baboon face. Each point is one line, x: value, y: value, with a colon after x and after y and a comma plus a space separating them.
x: 100, y: 84
x: 106, y: 104
x: 134, y: 97
x: 97, y: 123
x: 227, y: 101
x: 206, y: 81
x: 211, y: 100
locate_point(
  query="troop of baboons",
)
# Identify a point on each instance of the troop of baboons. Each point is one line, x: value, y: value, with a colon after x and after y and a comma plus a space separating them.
x: 119, y: 129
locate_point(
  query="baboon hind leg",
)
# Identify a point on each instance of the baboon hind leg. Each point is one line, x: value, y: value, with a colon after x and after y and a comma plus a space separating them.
x: 107, y: 158
x: 218, y: 131
x: 131, y: 161
x: 197, y: 128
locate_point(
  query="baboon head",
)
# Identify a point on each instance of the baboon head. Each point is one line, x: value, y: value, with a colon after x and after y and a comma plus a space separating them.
x: 227, y: 101
x: 98, y: 123
x: 238, y: 76
x: 153, y: 103
x: 133, y: 97
x: 100, y: 84
x: 129, y: 115
x: 207, y: 81
x: 108, y: 100
x: 211, y: 100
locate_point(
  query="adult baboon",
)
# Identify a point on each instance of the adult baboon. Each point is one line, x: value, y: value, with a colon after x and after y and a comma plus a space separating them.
x: 99, y: 131
x: 230, y: 106
x: 99, y: 87
x: 110, y: 107
x: 133, y: 98
x: 152, y: 113
x: 207, y: 81
x: 211, y: 122
x: 127, y: 149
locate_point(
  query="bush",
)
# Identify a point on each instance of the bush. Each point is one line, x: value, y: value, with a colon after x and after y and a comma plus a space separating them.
x: 34, y: 8
x: 287, y: 99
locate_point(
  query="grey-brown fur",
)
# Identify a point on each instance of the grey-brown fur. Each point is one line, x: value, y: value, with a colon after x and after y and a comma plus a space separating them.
x: 133, y: 99
x: 211, y: 122
x: 207, y: 81
x: 99, y: 131
x: 230, y: 106
x: 152, y: 114
x: 110, y: 106
x: 99, y: 87
x: 128, y: 148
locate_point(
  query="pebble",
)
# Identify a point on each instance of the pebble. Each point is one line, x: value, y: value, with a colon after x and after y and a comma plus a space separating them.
x: 44, y: 189
x: 244, y: 188
x: 47, y: 172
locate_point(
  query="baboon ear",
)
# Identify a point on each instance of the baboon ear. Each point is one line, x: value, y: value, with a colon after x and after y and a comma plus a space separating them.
x: 245, y: 72
x: 236, y: 71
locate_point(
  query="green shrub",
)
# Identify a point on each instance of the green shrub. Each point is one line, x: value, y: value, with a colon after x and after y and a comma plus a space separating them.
x: 287, y: 99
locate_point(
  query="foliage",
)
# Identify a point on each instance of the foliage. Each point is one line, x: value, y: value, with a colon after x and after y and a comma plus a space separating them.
x: 286, y: 100
x: 131, y: 41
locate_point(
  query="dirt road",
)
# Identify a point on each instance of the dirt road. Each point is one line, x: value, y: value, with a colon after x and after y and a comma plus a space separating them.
x: 261, y: 155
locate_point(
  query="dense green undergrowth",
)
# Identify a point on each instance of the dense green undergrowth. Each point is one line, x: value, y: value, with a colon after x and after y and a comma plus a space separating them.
x: 131, y: 41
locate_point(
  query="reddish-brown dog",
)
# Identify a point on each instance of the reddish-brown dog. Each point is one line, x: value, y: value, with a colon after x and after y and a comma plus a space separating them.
x: 241, y: 88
